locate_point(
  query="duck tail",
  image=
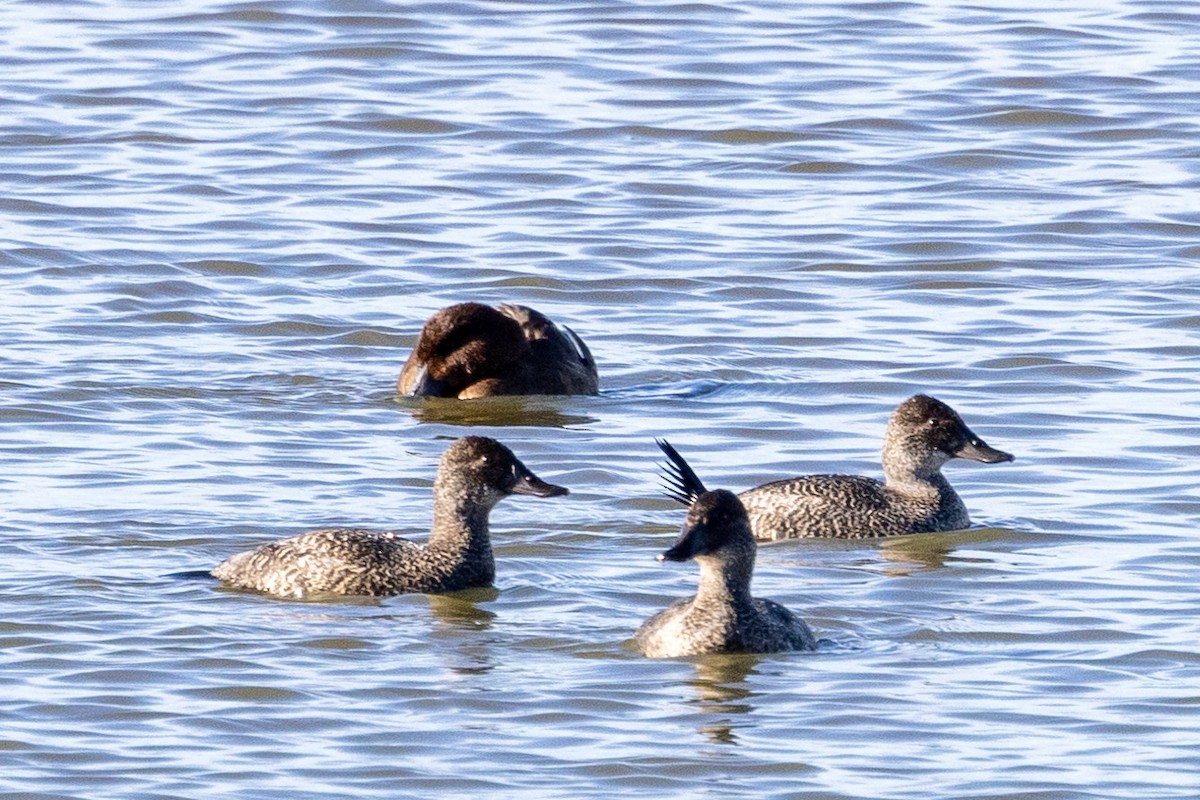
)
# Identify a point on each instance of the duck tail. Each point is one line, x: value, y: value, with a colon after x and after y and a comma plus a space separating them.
x: 680, y: 482
x: 191, y: 575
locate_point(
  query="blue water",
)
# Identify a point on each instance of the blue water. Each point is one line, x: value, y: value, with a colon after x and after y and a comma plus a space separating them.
x: 224, y: 224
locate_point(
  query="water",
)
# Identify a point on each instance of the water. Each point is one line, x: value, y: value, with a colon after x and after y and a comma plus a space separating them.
x: 225, y: 222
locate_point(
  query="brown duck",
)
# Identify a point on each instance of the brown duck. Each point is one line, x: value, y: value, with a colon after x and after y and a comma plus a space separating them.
x: 472, y: 350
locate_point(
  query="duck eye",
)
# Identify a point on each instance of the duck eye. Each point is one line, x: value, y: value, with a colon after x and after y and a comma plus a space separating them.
x: 932, y: 421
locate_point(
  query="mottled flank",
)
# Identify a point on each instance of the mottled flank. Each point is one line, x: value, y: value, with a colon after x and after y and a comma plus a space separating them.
x: 475, y: 474
x: 723, y: 617
x: 472, y: 350
x: 922, y: 435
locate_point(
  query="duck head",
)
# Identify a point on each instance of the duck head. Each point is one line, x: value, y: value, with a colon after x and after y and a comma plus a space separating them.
x: 485, y: 463
x: 459, y: 346
x: 924, y: 433
x: 716, y: 523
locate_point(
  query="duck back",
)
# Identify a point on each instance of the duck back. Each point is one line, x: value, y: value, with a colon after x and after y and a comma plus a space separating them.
x: 475, y: 473
x: 851, y: 507
x: 353, y: 561
x: 693, y: 627
x: 471, y: 350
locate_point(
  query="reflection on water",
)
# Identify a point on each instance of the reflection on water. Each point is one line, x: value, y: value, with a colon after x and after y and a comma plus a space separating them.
x: 461, y: 609
x: 720, y: 681
x: 542, y: 412
x: 926, y: 551
x: 721, y: 688
x: 459, y: 634
x: 721, y: 678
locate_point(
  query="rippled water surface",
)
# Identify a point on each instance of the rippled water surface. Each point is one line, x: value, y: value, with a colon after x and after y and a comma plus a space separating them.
x: 224, y: 224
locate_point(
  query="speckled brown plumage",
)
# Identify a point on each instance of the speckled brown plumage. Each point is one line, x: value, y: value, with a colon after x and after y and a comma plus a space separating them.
x: 472, y: 350
x: 922, y: 435
x: 475, y: 474
x: 723, y: 617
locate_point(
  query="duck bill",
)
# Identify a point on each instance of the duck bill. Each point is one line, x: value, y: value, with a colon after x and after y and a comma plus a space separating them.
x: 976, y: 449
x: 415, y: 381
x: 528, y: 483
x: 686, y: 548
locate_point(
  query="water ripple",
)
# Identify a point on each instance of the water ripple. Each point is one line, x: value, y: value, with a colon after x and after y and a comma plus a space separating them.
x: 771, y: 222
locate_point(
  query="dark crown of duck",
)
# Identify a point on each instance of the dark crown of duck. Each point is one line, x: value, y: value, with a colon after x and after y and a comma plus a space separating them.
x: 931, y: 423
x: 494, y: 465
x: 714, y: 520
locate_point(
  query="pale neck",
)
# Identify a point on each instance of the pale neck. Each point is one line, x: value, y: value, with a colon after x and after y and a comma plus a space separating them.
x: 724, y: 579
x: 902, y: 466
x: 460, y: 523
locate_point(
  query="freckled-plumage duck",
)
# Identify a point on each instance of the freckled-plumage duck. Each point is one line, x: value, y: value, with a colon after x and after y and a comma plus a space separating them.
x: 475, y: 474
x: 723, y: 617
x: 922, y: 435
x: 472, y: 350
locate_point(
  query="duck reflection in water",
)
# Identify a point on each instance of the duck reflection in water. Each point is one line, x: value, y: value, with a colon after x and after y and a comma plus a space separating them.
x: 499, y: 412
x: 721, y: 688
x: 909, y: 554
x: 458, y: 635
x: 461, y: 611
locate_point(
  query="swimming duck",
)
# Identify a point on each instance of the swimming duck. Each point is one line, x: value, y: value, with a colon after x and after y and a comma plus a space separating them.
x: 723, y: 617
x: 475, y: 473
x: 472, y: 350
x: 922, y: 435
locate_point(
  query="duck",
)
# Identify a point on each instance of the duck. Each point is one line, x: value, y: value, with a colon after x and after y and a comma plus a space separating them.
x: 471, y: 350
x: 723, y: 617
x: 923, y: 434
x: 474, y: 474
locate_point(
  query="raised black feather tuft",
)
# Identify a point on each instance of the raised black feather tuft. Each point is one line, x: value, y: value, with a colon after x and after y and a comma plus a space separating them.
x: 680, y: 482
